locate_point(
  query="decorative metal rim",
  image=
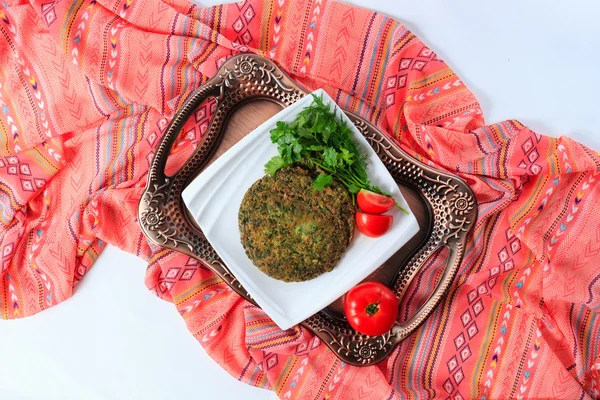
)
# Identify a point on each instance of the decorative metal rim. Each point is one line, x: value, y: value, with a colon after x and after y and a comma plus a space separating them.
x: 166, y: 222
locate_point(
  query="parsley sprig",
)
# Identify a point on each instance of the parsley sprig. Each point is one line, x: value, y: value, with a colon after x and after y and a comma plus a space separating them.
x: 322, y: 141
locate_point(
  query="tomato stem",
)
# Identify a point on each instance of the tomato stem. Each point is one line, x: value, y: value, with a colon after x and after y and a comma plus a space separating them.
x: 372, y: 308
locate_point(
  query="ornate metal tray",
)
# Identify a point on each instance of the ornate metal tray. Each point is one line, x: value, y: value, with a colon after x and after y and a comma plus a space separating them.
x: 243, y: 78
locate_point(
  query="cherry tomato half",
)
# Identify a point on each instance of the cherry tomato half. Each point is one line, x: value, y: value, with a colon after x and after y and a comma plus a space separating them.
x: 371, y: 308
x: 373, y: 225
x: 374, y: 203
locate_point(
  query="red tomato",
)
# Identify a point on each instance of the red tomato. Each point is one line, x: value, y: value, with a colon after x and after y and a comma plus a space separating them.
x: 371, y: 308
x: 374, y: 203
x: 373, y: 225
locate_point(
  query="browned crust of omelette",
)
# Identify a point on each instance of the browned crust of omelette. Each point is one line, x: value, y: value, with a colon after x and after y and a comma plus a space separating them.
x: 292, y: 232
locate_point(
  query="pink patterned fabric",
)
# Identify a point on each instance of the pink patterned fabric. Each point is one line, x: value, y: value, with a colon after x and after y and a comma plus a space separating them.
x: 87, y: 88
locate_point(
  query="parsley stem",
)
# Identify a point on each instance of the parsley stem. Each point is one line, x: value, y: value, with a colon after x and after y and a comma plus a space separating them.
x: 404, y: 210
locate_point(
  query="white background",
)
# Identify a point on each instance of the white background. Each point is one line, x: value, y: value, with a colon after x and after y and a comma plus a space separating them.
x: 536, y: 61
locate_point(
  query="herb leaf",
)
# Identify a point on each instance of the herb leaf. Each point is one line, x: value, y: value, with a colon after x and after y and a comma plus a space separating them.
x: 274, y: 164
x: 347, y: 157
x: 279, y: 131
x: 352, y: 188
x: 330, y: 157
x: 322, y: 181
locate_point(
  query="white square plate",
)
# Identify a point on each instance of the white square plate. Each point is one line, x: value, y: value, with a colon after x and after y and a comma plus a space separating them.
x: 214, y: 199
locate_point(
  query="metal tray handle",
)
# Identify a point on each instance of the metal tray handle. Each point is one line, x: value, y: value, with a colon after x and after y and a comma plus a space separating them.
x: 243, y: 78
